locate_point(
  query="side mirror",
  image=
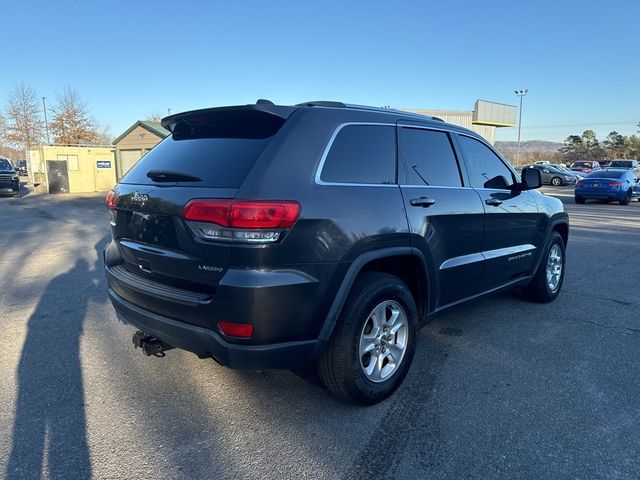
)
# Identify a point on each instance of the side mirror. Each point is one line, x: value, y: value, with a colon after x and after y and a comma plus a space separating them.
x: 531, y: 179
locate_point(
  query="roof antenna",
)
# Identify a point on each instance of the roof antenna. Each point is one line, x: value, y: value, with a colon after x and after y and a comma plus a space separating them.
x: 262, y: 101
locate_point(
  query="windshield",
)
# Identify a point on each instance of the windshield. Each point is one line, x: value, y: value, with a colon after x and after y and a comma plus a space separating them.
x: 5, y: 164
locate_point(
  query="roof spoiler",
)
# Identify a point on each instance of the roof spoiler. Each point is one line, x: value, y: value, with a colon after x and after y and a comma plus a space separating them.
x: 204, y: 114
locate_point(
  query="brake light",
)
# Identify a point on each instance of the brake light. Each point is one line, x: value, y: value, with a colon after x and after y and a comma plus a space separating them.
x: 615, y: 184
x: 580, y: 183
x: 243, y: 214
x: 254, y: 221
x: 244, y: 330
x: 111, y: 200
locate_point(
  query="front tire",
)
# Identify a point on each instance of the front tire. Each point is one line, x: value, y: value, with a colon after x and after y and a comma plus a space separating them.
x: 547, y: 282
x: 373, y: 342
x: 556, y: 181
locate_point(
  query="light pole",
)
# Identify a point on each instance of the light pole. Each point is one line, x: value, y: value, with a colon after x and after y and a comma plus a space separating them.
x: 520, y: 93
x: 46, y: 122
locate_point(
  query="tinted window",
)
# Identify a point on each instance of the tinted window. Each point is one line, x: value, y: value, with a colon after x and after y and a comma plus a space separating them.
x: 482, y: 163
x: 4, y: 164
x: 216, y: 148
x: 621, y: 164
x: 607, y: 174
x: 428, y: 158
x: 362, y: 154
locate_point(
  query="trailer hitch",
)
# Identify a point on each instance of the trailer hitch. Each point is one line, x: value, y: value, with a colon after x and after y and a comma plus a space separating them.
x: 150, y: 345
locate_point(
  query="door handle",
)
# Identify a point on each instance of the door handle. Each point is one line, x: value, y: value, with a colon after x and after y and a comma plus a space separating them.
x: 493, y: 201
x: 423, y: 202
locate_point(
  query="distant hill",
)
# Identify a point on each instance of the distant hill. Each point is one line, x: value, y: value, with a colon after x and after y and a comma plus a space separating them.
x: 530, y: 146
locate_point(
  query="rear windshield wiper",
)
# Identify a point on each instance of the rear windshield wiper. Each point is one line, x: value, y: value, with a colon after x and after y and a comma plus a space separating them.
x: 168, y: 176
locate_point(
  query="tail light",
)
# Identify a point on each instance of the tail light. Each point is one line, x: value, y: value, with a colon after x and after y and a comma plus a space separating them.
x: 615, y: 184
x: 580, y: 183
x: 111, y: 200
x: 252, y: 221
x: 111, y: 206
x: 232, y: 329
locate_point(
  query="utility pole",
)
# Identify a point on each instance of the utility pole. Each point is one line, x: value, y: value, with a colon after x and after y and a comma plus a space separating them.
x: 46, y: 122
x: 520, y: 93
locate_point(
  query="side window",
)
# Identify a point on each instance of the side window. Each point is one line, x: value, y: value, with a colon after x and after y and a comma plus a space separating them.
x: 484, y: 166
x: 362, y: 154
x: 428, y: 158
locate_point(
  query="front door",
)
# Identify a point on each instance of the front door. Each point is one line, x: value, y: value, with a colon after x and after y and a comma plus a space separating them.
x: 511, y: 221
x: 445, y: 216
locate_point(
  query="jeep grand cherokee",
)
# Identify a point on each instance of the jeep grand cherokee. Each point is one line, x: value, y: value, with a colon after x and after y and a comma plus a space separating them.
x: 323, y: 234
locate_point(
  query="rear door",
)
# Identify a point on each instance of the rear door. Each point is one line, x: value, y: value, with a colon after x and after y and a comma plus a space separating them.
x: 445, y: 216
x: 511, y: 222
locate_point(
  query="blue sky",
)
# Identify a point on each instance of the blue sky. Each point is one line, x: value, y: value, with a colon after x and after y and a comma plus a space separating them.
x: 579, y: 60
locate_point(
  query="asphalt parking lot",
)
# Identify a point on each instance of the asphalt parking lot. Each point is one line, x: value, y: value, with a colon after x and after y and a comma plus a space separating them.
x: 500, y: 388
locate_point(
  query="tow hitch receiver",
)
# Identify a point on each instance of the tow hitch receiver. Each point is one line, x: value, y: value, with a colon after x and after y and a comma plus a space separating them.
x: 150, y: 345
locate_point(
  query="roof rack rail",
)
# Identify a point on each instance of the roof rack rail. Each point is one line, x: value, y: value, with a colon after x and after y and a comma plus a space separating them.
x: 324, y: 103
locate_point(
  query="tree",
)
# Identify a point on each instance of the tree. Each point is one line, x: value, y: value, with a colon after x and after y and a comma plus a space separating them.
x: 154, y: 116
x: 615, y: 145
x: 24, y: 126
x: 582, y: 147
x: 103, y: 134
x: 632, y: 146
x: 70, y: 123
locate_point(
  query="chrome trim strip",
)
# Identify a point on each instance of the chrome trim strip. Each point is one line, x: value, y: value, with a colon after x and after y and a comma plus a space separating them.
x: 462, y: 260
x: 503, y: 252
x: 487, y: 255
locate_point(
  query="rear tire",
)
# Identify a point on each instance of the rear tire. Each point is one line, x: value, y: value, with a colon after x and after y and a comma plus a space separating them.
x: 547, y: 282
x: 359, y: 365
x: 556, y: 181
x: 579, y: 199
x: 627, y: 199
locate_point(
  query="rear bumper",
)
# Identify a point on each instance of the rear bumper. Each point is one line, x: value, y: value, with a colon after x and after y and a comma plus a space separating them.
x: 601, y: 195
x: 207, y: 343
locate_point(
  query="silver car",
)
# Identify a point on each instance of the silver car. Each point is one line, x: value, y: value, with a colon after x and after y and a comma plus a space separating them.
x: 554, y: 176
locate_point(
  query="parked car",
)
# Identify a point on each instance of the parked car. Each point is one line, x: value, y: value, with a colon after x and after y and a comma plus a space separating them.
x: 9, y: 178
x: 607, y: 185
x: 586, y: 167
x: 629, y: 164
x: 323, y: 234
x: 22, y: 167
x: 554, y: 176
x: 564, y: 168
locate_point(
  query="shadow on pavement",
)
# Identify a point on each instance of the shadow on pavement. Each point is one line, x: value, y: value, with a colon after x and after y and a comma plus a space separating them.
x: 49, y: 433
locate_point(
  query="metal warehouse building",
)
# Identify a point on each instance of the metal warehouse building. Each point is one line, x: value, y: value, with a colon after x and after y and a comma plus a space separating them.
x: 484, y: 119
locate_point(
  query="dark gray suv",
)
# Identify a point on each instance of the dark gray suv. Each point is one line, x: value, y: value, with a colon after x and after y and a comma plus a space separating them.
x: 324, y: 234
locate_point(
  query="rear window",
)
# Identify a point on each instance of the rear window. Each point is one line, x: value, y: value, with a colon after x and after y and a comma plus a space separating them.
x: 216, y: 148
x: 621, y: 164
x: 606, y: 174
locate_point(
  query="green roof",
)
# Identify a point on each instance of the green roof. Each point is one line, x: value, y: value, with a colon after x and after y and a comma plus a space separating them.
x: 153, y: 126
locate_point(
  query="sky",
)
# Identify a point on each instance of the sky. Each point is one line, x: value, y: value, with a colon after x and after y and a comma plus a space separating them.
x: 580, y: 61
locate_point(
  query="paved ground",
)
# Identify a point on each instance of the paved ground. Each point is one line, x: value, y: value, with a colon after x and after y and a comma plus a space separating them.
x: 500, y: 388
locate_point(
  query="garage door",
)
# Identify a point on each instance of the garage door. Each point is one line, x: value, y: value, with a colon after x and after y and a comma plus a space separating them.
x: 128, y: 159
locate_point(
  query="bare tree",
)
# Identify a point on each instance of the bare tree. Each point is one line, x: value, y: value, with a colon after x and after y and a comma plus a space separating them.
x: 103, y: 135
x: 154, y: 116
x: 24, y: 126
x: 70, y: 123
